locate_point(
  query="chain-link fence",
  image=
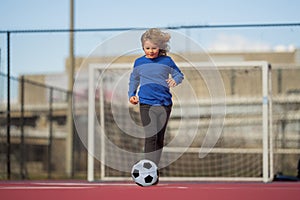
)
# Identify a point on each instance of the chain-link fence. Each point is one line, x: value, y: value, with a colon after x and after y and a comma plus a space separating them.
x: 35, y: 146
x: 34, y: 120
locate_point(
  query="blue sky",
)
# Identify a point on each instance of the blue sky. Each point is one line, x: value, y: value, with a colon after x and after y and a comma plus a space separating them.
x: 38, y: 53
x: 47, y: 14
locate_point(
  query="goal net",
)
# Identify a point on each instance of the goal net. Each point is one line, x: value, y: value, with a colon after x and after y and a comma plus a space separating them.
x: 219, y: 127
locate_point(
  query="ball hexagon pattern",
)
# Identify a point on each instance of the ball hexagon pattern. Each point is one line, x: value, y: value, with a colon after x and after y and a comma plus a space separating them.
x: 144, y: 173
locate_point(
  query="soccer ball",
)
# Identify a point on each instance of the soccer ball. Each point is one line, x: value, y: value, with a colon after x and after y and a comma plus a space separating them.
x: 144, y: 173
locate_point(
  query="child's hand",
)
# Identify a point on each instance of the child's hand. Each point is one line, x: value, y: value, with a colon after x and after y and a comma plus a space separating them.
x: 171, y: 82
x: 134, y: 100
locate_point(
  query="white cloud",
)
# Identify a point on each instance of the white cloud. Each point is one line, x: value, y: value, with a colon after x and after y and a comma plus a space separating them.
x: 225, y: 42
x: 283, y: 48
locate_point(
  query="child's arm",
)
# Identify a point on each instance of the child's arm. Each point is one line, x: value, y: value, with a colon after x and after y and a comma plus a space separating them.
x: 177, y: 77
x: 134, y: 82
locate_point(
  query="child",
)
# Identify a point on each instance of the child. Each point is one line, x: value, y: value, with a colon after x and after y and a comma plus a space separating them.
x: 154, y: 73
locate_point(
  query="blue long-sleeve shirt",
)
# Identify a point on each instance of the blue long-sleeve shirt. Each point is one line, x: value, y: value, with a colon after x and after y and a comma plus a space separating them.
x: 151, y: 76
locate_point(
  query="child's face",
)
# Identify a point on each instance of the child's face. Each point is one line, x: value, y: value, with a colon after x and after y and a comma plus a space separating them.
x: 151, y: 50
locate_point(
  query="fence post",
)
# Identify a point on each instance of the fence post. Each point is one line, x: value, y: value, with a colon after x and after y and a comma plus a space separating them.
x: 50, y: 132
x: 23, y: 147
x: 8, y: 145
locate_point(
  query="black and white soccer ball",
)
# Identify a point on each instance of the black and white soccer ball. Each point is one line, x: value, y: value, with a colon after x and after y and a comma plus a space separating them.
x: 144, y: 173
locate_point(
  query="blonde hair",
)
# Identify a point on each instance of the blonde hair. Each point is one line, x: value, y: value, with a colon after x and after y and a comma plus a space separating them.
x: 159, y: 38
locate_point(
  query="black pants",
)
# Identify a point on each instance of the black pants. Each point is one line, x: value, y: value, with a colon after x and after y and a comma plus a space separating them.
x: 154, y: 120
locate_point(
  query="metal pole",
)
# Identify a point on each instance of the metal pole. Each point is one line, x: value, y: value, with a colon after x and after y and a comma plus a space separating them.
x: 50, y: 132
x: 23, y: 148
x: 271, y: 125
x: 91, y: 121
x: 265, y: 123
x: 8, y: 145
x: 69, y: 138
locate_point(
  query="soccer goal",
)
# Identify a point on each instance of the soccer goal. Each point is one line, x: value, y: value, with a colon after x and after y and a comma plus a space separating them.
x: 219, y: 129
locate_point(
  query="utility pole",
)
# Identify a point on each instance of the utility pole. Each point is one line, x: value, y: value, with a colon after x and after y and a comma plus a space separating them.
x: 70, y: 123
x: 8, y: 143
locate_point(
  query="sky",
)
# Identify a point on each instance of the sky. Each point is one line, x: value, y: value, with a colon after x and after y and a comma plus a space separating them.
x: 46, y: 53
x: 48, y: 14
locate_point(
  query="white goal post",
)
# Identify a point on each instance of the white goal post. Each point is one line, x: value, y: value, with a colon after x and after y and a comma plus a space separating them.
x: 242, y: 152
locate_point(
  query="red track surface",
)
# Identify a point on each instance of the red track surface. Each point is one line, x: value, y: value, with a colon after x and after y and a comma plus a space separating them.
x: 38, y: 190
